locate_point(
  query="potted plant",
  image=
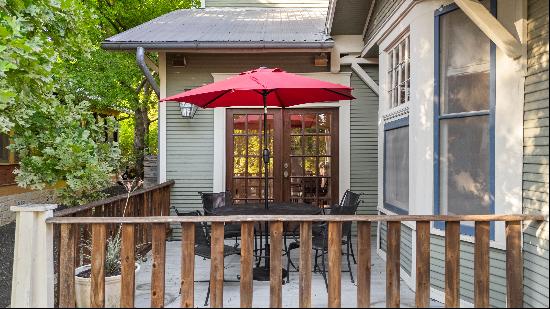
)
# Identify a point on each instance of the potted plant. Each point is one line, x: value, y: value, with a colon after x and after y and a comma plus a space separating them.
x: 112, y: 277
x: 83, y: 280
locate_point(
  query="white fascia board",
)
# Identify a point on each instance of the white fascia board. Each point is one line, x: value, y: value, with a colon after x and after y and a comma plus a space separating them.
x: 492, y: 27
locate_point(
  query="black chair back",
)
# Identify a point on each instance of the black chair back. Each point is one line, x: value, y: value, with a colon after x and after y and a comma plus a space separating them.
x: 344, y: 211
x: 201, y: 228
x: 211, y: 201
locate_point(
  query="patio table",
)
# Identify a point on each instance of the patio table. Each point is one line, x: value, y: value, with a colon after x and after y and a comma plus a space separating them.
x: 261, y: 273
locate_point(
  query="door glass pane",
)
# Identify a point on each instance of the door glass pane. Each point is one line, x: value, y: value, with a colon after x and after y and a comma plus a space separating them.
x: 296, y: 166
x: 324, y: 145
x: 254, y: 145
x: 254, y: 124
x: 296, y: 145
x: 309, y: 123
x: 323, y: 123
x: 324, y: 166
x: 465, y: 64
x: 310, y: 145
x: 464, y: 166
x: 239, y: 124
x: 296, y: 124
x: 254, y: 166
x: 396, y: 168
x: 239, y: 166
x: 311, y: 166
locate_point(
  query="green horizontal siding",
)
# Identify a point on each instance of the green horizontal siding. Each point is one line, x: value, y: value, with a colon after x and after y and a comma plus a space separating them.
x: 497, y: 271
x: 406, y: 255
x: 536, y: 162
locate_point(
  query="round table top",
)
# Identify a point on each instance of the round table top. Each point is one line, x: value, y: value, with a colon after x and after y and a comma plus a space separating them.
x: 284, y: 208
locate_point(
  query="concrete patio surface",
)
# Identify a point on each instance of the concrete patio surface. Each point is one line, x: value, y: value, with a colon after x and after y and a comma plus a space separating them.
x: 261, y: 289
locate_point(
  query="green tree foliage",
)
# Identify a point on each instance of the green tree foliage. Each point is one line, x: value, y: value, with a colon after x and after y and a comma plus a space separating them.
x: 56, y: 136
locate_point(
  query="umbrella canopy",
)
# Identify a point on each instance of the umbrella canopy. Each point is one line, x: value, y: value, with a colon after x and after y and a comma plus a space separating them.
x: 279, y: 88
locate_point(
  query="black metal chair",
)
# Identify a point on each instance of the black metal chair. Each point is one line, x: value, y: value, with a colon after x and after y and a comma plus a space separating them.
x: 350, y: 201
x: 320, y: 242
x: 211, y: 201
x: 202, y: 245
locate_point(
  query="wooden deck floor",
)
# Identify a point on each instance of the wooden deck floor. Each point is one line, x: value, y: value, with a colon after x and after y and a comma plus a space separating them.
x: 261, y: 289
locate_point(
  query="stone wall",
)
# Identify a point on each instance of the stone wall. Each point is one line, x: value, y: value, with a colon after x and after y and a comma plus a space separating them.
x: 41, y: 197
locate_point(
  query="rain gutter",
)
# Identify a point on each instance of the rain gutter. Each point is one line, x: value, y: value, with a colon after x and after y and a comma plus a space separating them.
x: 140, y: 58
x: 214, y: 45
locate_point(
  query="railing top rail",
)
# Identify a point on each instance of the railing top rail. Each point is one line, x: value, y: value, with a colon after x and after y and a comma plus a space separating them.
x: 121, y: 197
x: 289, y: 218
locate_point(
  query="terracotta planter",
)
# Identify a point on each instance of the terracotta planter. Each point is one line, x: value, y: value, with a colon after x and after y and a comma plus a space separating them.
x: 112, y: 289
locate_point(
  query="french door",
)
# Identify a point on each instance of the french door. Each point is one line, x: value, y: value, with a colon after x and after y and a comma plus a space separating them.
x: 304, y: 155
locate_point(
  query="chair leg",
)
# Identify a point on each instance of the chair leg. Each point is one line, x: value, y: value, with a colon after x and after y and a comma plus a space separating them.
x: 349, y: 264
x: 207, y: 295
x: 316, y: 266
x: 324, y: 269
x: 351, y: 247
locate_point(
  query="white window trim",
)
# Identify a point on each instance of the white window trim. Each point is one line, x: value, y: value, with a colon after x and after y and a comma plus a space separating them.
x: 344, y: 136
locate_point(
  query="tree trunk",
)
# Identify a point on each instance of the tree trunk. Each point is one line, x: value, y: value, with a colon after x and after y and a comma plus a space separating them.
x: 141, y: 131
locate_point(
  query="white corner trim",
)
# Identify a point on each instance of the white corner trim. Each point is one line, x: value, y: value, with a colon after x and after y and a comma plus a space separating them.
x: 161, y: 157
x: 330, y: 16
x: 203, y: 4
x: 493, y: 28
x: 344, y: 166
x: 365, y: 77
x: 368, y: 18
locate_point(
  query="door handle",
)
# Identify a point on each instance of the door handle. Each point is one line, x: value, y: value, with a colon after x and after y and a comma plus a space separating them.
x: 285, y: 173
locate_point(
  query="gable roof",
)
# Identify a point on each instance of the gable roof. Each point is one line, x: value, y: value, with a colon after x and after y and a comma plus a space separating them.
x: 235, y: 28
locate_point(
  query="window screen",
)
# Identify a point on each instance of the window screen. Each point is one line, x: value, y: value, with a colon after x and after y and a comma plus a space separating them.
x: 396, y: 169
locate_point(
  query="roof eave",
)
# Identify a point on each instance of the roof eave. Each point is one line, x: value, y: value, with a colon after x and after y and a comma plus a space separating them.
x: 109, y: 45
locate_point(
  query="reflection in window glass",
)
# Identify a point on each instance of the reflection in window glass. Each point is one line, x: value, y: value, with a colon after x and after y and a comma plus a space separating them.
x: 399, y: 74
x: 396, y: 169
x: 464, y: 166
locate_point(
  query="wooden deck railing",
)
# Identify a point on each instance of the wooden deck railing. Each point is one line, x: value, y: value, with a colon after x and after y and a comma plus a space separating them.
x: 146, y: 202
x: 514, y: 262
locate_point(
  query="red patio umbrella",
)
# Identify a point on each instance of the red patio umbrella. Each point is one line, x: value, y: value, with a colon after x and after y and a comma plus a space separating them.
x: 264, y: 87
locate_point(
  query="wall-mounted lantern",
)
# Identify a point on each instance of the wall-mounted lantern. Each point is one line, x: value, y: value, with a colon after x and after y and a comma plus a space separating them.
x: 188, y: 110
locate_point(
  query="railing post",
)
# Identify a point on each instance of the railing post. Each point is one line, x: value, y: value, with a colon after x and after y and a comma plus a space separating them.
x: 334, y: 264
x: 33, y: 277
x: 514, y: 265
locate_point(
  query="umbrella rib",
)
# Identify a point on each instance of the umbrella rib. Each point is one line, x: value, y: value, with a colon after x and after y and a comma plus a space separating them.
x: 343, y: 94
x: 217, y: 97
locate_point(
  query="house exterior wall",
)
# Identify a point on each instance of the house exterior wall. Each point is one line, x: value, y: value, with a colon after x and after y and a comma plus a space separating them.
x: 535, y: 161
x: 418, y: 19
x: 190, y: 142
x: 268, y: 3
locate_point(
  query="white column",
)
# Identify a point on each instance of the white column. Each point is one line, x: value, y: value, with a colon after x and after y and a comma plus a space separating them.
x: 33, y: 278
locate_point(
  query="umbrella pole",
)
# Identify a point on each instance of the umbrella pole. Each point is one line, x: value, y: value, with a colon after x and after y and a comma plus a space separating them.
x: 266, y: 156
x: 266, y: 153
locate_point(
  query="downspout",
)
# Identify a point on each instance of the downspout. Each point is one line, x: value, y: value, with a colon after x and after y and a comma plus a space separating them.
x: 140, y: 58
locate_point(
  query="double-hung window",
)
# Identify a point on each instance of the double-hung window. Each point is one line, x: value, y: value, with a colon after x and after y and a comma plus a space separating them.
x: 396, y: 166
x: 399, y: 73
x: 464, y: 117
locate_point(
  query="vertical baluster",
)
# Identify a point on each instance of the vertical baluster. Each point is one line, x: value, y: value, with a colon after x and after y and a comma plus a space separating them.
x: 128, y: 261
x: 363, y: 264
x: 452, y: 264
x: 158, y: 272
x: 393, y: 263
x: 67, y: 266
x: 334, y: 264
x: 481, y: 265
x: 276, y: 278
x: 97, y: 293
x: 188, y: 265
x: 216, y: 265
x: 422, y: 264
x: 247, y: 245
x: 514, y: 265
x: 305, y: 265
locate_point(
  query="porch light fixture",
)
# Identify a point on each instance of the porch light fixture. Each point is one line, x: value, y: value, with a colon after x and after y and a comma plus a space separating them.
x: 188, y: 110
